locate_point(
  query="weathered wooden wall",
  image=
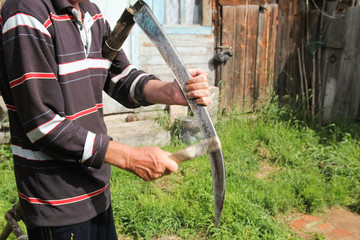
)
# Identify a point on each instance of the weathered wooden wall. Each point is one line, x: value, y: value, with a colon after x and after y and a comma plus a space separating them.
x: 340, y: 66
x: 249, y: 31
x: 265, y: 36
x: 295, y: 49
x: 290, y: 36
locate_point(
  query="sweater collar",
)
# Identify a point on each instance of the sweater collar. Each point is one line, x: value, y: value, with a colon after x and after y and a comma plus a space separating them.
x: 61, y: 4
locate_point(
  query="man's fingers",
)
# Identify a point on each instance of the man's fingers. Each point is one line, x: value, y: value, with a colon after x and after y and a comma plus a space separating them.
x: 198, y: 94
x: 197, y: 86
x: 196, y: 72
x: 197, y: 79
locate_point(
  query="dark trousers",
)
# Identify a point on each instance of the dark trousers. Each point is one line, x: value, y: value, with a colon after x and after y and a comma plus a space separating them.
x: 101, y: 227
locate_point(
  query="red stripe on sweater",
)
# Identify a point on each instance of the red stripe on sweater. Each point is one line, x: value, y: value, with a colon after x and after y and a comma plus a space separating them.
x: 62, y: 201
x: 85, y: 112
x: 28, y: 76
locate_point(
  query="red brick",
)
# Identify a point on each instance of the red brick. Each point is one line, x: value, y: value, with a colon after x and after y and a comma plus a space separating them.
x: 299, y: 224
x: 310, y: 218
x: 340, y: 233
x: 324, y: 226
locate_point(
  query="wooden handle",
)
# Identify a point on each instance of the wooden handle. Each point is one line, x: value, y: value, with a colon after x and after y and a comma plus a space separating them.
x: 2, y: 2
x: 208, y: 145
x: 121, y: 31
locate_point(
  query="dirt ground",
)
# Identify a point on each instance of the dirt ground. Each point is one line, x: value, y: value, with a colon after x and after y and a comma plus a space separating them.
x: 335, y: 224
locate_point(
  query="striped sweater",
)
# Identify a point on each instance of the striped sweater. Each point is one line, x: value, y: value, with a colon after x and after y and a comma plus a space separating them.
x: 53, y: 75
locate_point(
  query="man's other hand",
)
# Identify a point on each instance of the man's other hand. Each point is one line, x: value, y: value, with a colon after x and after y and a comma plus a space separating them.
x: 198, y: 87
x: 148, y: 163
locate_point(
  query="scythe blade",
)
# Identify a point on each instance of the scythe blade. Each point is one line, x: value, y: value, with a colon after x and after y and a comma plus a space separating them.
x: 149, y: 24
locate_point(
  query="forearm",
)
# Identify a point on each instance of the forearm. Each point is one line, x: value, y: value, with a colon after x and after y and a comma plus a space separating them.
x: 118, y: 154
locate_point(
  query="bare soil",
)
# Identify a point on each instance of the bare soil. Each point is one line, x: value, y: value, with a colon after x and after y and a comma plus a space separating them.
x: 334, y: 224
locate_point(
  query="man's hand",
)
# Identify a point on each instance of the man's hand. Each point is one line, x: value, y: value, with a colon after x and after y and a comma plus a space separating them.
x: 149, y: 163
x: 171, y: 94
x: 197, y: 87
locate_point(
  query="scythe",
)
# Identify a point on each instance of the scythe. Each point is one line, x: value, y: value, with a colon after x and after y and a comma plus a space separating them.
x: 143, y: 16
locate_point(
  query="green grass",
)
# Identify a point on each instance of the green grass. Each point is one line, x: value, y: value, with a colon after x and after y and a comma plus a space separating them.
x: 315, y: 168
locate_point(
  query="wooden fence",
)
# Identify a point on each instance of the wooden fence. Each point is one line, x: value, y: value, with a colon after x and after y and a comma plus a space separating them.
x: 277, y: 47
x: 339, y: 61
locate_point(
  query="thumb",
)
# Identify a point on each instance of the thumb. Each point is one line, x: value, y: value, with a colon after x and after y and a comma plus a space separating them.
x: 171, y: 166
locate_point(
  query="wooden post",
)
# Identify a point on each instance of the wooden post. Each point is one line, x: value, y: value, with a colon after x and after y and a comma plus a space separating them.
x: 301, y: 77
x: 313, y: 87
x: 5, y: 232
x: 12, y: 217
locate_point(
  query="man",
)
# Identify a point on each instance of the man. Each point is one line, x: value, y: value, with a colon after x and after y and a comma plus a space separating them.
x: 53, y: 77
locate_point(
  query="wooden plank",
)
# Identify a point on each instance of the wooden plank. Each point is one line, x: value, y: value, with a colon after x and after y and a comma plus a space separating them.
x: 355, y: 93
x: 261, y: 55
x: 239, y: 50
x: 153, y: 60
x: 250, y: 55
x: 353, y: 35
x: 346, y: 85
x: 283, y: 45
x: 265, y: 60
x: 330, y: 62
x: 290, y: 36
x: 195, y: 50
x: 187, y: 40
x: 272, y: 10
x: 206, y: 13
x: 244, y: 2
x: 228, y: 40
x: 216, y: 17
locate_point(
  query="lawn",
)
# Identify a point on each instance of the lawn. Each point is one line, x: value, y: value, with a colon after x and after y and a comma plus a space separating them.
x: 311, y: 168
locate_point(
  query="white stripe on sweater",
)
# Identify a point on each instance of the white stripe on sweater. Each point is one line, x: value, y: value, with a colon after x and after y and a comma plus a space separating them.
x: 117, y: 78
x: 89, y: 146
x: 22, y: 19
x: 133, y: 87
x: 44, y: 129
x: 30, y: 154
x: 77, y: 66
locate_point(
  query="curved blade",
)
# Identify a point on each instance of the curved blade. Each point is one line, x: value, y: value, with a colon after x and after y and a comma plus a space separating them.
x: 147, y: 21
